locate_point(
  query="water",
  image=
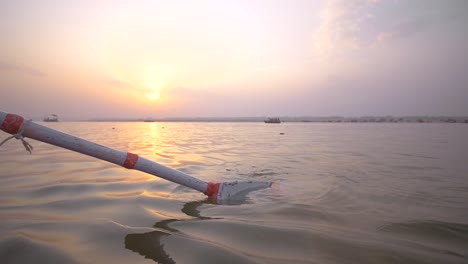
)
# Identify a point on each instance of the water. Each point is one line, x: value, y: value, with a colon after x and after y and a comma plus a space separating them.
x: 344, y: 193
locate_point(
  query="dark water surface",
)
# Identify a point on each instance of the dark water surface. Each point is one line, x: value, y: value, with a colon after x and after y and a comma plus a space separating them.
x: 345, y: 193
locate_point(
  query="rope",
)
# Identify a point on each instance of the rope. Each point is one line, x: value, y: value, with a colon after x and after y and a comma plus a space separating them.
x: 19, y: 136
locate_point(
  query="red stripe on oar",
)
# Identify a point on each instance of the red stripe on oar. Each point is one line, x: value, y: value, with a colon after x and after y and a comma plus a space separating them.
x: 12, y: 123
x: 212, y: 189
x: 130, y: 160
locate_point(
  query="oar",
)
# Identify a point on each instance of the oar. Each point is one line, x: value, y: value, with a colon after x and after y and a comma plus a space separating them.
x: 20, y: 128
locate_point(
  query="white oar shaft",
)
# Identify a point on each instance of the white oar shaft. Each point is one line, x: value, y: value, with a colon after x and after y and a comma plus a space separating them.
x: 15, y: 124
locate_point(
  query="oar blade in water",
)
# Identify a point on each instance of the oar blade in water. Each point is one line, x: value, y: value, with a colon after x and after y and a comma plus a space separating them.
x: 236, y: 190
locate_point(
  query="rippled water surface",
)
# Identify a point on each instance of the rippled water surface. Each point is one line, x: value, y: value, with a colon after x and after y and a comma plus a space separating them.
x: 344, y: 193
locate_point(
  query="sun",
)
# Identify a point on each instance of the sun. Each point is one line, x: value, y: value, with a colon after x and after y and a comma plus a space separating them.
x: 153, y: 96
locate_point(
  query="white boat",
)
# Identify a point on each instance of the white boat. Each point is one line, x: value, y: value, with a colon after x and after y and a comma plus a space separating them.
x: 51, y: 118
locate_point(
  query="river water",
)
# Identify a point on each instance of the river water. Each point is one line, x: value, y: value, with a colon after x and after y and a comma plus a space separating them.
x: 343, y: 193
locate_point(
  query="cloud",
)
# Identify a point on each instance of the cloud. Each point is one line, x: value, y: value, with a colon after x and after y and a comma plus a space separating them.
x: 118, y: 84
x: 349, y: 25
x: 341, y: 27
x: 418, y: 17
x: 384, y: 36
x: 398, y: 57
x: 123, y: 85
x: 404, y: 29
x: 15, y: 68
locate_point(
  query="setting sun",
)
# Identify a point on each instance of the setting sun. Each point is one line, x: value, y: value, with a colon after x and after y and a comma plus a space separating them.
x: 153, y: 96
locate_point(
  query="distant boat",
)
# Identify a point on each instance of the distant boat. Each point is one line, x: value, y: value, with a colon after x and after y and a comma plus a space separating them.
x: 51, y: 118
x: 272, y: 120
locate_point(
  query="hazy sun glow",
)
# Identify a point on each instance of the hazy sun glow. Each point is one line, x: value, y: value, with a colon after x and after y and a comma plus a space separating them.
x: 153, y: 96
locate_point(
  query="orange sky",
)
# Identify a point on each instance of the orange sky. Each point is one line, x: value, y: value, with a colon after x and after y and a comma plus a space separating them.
x: 140, y: 59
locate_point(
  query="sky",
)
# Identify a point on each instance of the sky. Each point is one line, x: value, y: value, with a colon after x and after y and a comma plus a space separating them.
x: 211, y: 58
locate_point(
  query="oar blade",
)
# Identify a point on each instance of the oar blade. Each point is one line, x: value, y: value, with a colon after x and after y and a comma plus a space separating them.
x: 237, y: 190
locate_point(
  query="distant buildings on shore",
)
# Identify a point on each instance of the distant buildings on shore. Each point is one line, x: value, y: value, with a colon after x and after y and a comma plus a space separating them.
x: 383, y: 119
x: 332, y: 119
x: 329, y: 119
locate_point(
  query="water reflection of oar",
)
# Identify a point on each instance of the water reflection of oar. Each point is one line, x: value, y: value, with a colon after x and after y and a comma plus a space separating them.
x: 19, y: 128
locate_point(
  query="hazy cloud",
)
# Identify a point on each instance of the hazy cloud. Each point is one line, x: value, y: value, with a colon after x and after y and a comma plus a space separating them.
x: 358, y: 24
x: 119, y: 84
x: 421, y: 16
x: 342, y: 26
x: 15, y: 68
x: 123, y: 85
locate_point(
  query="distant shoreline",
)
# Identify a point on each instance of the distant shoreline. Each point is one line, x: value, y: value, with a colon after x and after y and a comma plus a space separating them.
x: 332, y: 119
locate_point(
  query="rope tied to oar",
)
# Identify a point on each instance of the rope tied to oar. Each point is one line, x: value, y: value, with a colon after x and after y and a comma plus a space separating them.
x: 19, y: 136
